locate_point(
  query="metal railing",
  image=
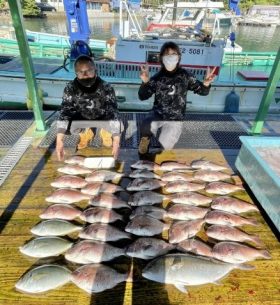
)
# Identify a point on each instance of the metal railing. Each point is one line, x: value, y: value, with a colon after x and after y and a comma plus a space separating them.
x: 250, y: 59
x: 10, y: 47
x: 124, y: 71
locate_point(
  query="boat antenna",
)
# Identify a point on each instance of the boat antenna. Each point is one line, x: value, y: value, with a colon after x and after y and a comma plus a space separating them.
x: 175, y: 5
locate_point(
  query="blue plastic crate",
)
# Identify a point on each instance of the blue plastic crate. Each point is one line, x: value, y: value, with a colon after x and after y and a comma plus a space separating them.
x: 260, y: 177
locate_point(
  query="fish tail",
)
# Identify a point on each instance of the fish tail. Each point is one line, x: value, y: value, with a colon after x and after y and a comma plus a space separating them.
x: 265, y: 254
x: 256, y: 240
x: 128, y: 236
x: 167, y: 197
x: 80, y: 228
x: 255, y: 208
x: 253, y: 222
x: 130, y: 274
x: 166, y: 226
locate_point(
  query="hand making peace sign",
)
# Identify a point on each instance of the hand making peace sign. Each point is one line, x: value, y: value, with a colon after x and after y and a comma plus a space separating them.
x: 209, y: 76
x: 144, y: 73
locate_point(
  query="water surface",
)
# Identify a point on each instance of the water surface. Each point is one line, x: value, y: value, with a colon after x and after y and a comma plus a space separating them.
x: 251, y: 38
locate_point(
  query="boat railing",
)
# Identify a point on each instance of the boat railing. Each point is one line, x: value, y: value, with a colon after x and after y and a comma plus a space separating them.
x: 38, y: 50
x: 131, y: 72
x: 249, y: 59
x: 61, y: 40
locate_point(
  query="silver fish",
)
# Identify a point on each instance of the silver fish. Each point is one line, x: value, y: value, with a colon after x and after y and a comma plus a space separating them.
x: 142, y: 184
x: 222, y: 188
x: 236, y: 253
x: 173, y: 166
x: 222, y: 232
x: 207, y: 165
x: 66, y: 196
x: 183, y: 270
x: 148, y: 248
x: 109, y: 201
x: 69, y: 181
x: 186, y: 212
x: 143, y: 173
x: 45, y: 246
x: 232, y: 205
x: 101, y: 187
x: 74, y: 170
x: 210, y: 175
x: 184, y: 229
x: 182, y: 186
x: 88, y: 252
x: 224, y: 218
x: 145, y: 164
x: 195, y: 246
x: 146, y: 198
x: 191, y: 198
x: 103, y: 232
x: 60, y: 211
x: 98, y: 214
x: 149, y: 210
x: 43, y: 278
x: 95, y: 278
x: 54, y: 227
x: 145, y: 226
x: 174, y: 176
x: 75, y: 160
x: 103, y: 175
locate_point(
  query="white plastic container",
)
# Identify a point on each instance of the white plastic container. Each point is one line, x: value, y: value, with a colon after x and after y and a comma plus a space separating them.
x: 99, y: 162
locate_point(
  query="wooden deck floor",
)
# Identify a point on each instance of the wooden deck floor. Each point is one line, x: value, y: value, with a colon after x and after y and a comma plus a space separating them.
x: 22, y: 200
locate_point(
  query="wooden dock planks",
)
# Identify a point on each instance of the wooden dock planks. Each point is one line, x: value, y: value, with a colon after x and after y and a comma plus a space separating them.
x: 22, y: 200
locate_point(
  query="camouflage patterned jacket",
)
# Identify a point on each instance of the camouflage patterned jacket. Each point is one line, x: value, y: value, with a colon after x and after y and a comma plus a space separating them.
x: 170, y: 90
x: 80, y: 103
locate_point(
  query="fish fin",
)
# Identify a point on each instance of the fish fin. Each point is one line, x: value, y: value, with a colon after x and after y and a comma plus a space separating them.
x: 177, y: 263
x: 181, y: 287
x: 147, y: 247
x: 245, y: 267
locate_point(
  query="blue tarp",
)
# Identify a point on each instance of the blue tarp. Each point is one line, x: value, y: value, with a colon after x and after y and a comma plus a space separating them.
x: 233, y: 6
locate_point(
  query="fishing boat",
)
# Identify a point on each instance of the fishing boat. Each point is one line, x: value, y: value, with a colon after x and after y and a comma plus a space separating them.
x: 190, y: 13
x: 262, y: 15
x: 199, y: 49
x: 123, y: 72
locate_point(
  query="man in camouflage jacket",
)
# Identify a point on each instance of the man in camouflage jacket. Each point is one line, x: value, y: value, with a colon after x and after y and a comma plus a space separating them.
x: 88, y: 102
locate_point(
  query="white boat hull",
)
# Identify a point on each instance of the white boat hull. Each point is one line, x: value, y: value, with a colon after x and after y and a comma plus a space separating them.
x: 194, y: 54
x: 13, y: 89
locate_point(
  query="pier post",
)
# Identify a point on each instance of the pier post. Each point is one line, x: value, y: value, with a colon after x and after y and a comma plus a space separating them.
x: 267, y: 96
x: 28, y: 68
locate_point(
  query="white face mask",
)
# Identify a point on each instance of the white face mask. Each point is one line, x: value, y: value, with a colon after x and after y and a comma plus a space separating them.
x: 170, y: 61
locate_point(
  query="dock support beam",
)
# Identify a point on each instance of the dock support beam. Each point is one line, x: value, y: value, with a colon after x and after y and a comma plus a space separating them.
x: 25, y: 54
x: 267, y: 96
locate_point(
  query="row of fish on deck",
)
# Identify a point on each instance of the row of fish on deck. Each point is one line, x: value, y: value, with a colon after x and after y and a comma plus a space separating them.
x: 190, y: 209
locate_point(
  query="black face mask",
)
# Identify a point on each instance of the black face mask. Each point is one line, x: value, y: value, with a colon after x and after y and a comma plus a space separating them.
x: 87, y: 82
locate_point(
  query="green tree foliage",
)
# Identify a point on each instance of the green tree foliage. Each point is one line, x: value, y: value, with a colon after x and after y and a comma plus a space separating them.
x: 3, y: 4
x: 29, y: 8
x: 245, y: 5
